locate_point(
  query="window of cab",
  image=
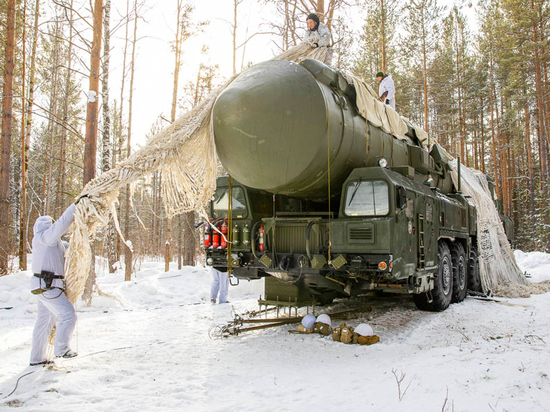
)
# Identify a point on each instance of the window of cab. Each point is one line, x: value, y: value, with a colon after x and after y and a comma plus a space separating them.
x: 220, y: 204
x: 367, y: 198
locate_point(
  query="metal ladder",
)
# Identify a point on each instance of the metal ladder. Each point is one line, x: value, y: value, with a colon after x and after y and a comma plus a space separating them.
x: 421, y: 248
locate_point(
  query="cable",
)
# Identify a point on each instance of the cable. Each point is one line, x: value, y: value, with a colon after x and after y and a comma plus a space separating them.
x: 328, y: 174
x: 76, y: 315
x: 17, y: 383
x: 60, y: 292
x: 101, y: 351
x: 229, y: 228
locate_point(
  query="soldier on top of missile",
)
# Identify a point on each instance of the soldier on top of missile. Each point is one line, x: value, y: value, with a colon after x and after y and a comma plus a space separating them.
x: 318, y: 34
x: 386, y: 90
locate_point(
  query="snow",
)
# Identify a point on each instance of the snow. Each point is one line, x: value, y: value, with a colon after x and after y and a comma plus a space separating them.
x: 536, y: 264
x: 148, y: 348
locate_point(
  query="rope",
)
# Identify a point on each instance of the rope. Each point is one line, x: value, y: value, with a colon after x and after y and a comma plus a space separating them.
x: 328, y: 176
x: 230, y: 227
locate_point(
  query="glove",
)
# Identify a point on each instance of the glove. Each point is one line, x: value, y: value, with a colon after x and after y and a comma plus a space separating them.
x: 78, y: 200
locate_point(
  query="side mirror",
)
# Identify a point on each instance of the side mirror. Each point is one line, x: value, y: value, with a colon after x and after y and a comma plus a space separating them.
x: 401, y: 197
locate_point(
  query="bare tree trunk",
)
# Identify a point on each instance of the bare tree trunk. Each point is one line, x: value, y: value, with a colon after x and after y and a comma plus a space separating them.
x: 128, y: 254
x: 530, y: 161
x: 180, y: 241
x: 293, y: 27
x: 26, y: 146
x: 503, y: 165
x: 476, y: 164
x: 425, y: 72
x: 547, y: 99
x: 189, y: 239
x: 7, y: 111
x: 154, y: 215
x: 23, y: 194
x: 234, y: 33
x: 107, y: 146
x: 461, y: 137
x: 59, y: 204
x: 482, y: 139
x: 120, y: 137
x: 90, y: 148
x: 177, y: 66
x: 48, y: 152
x: 383, y: 26
x: 495, y: 159
x: 540, y: 103
x: 160, y: 209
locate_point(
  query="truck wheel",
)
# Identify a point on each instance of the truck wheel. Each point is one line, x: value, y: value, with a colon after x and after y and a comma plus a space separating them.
x: 325, y: 299
x: 443, y: 288
x: 474, y: 278
x: 460, y: 272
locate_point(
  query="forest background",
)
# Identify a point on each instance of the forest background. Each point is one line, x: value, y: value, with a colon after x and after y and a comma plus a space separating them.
x: 74, y: 103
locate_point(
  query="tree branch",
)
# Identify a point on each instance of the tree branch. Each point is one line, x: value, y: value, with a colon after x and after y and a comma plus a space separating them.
x: 247, y: 40
x: 67, y: 7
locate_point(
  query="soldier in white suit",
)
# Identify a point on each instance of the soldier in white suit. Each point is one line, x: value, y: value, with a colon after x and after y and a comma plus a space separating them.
x: 48, y: 284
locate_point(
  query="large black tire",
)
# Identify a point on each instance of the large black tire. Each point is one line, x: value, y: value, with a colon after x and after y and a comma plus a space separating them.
x: 443, y: 288
x: 460, y: 272
x: 474, y: 278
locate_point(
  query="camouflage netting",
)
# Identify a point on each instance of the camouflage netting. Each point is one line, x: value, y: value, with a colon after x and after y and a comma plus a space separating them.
x: 497, y: 265
x: 185, y: 154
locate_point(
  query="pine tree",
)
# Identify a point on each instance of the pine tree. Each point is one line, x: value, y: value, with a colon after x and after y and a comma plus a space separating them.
x: 422, y: 26
x: 378, y: 51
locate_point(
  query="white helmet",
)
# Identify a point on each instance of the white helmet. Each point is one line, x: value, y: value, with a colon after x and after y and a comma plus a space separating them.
x: 364, y: 330
x: 324, y: 319
x: 308, y: 321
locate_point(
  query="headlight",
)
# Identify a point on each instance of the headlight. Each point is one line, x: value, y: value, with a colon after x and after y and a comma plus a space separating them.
x: 209, y: 261
x: 382, y: 266
x: 382, y: 162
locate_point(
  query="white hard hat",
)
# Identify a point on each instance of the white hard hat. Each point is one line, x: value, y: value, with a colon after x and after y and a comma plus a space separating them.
x: 364, y: 330
x: 308, y: 321
x: 324, y: 319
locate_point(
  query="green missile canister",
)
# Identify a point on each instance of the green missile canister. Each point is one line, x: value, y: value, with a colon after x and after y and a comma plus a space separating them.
x: 275, y: 126
x: 293, y: 129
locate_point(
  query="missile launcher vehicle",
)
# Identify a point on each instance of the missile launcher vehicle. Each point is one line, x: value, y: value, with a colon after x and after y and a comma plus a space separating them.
x: 325, y: 204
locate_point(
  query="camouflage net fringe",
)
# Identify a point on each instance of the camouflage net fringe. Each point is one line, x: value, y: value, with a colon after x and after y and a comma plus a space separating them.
x: 497, y: 265
x: 185, y: 154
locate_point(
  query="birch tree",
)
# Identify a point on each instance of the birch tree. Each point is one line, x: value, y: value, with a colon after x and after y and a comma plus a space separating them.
x: 107, y: 146
x: 128, y: 253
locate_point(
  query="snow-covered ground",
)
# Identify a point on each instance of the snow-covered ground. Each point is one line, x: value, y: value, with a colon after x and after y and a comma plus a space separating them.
x: 149, y: 350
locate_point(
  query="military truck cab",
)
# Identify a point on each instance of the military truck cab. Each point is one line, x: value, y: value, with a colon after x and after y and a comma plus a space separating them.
x: 391, y: 228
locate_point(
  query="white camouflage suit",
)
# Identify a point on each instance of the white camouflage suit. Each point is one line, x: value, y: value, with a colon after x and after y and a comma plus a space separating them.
x: 48, y: 253
x: 220, y: 284
x: 319, y: 37
x: 386, y: 85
